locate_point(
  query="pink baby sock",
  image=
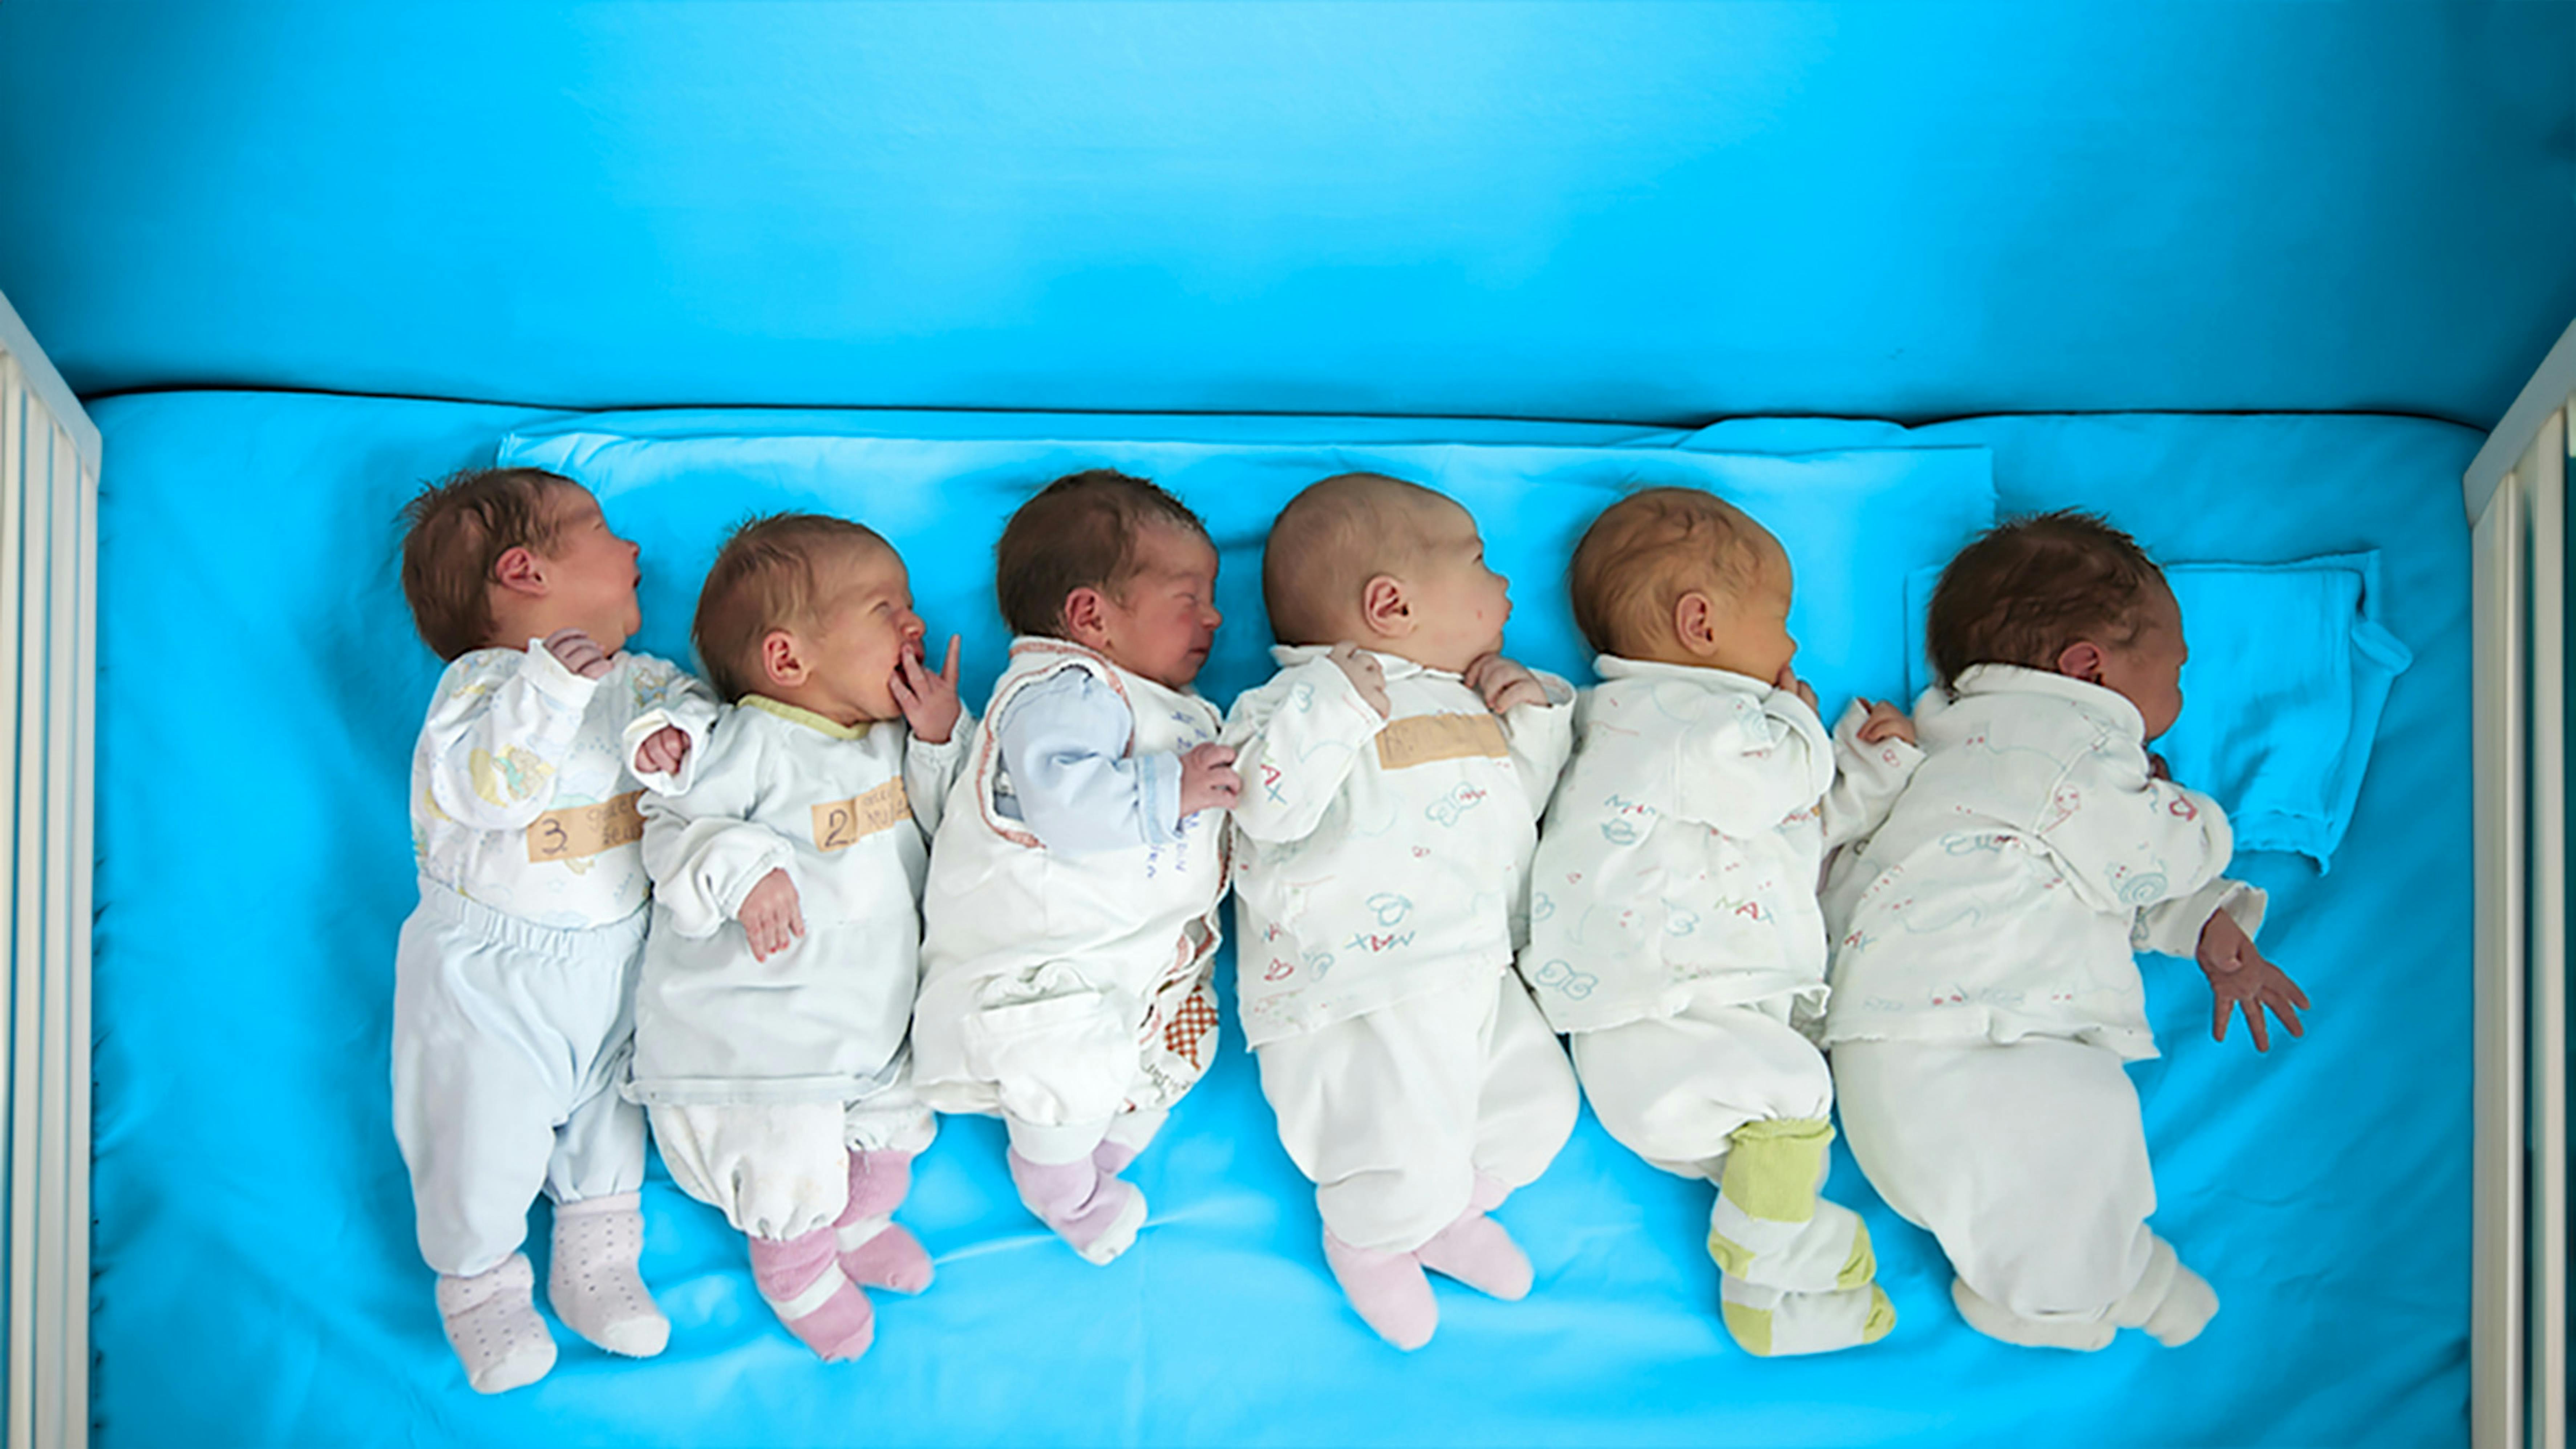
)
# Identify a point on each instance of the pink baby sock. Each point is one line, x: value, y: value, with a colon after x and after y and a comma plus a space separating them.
x: 803, y: 1283
x: 875, y: 1251
x: 494, y: 1327
x: 594, y: 1285
x: 1387, y: 1288
x: 1476, y: 1251
x: 1128, y: 1136
x: 1094, y: 1212
x: 1487, y: 1194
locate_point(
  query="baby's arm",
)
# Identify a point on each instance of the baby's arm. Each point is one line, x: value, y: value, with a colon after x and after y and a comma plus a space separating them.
x: 497, y: 735
x: 930, y: 771
x: 1537, y: 711
x: 710, y: 864
x: 1874, y: 757
x: 2127, y: 840
x: 1296, y: 739
x: 1063, y: 743
x: 668, y: 716
x: 1753, y: 765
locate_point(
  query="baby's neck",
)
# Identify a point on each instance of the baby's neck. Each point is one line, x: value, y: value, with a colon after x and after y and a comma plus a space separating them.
x: 815, y: 699
x: 513, y: 628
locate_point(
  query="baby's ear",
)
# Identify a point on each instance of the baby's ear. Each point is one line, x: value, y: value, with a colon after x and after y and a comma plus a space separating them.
x: 1695, y: 621
x: 781, y: 661
x: 2081, y: 660
x: 1084, y: 617
x: 520, y: 571
x: 1384, y: 607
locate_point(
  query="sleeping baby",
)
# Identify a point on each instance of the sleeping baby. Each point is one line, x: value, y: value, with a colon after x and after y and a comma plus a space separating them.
x: 1674, y: 927
x: 778, y: 980
x: 1071, y: 918
x: 513, y: 979
x: 1986, y: 996
x: 1395, y: 768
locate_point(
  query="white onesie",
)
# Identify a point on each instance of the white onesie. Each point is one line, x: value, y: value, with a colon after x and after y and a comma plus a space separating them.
x: 1065, y: 990
x: 1381, y: 884
x: 1674, y: 926
x: 759, y: 1074
x: 1986, y: 994
x: 514, y: 980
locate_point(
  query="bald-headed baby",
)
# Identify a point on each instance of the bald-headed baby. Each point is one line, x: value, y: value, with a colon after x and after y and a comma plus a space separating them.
x: 1393, y: 774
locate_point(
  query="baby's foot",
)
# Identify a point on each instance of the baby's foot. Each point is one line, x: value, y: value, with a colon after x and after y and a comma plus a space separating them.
x: 594, y: 1285
x: 801, y: 1280
x: 1766, y: 1198
x: 1829, y: 1251
x: 874, y: 1251
x: 1476, y: 1251
x: 1095, y: 1212
x: 1772, y: 1324
x: 494, y: 1328
x: 2171, y: 1302
x: 1387, y: 1288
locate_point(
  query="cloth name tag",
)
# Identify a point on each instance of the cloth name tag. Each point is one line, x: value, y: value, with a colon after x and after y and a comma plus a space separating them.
x: 1424, y: 738
x: 576, y: 831
x: 844, y: 823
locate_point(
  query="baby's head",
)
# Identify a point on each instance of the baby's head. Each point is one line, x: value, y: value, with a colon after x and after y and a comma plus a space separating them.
x: 1388, y: 565
x: 1115, y: 565
x: 810, y: 611
x: 495, y: 557
x: 2068, y: 593
x: 1681, y: 576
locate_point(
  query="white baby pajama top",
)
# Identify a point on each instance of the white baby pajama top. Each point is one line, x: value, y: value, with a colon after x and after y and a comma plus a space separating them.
x: 1683, y: 849
x: 848, y: 813
x: 1378, y: 859
x: 2014, y: 879
x: 523, y: 798
x: 1065, y: 986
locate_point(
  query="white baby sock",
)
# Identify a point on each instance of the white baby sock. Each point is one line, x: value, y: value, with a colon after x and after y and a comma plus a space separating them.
x: 493, y: 1326
x: 1828, y: 1251
x: 1773, y: 1324
x: 2171, y: 1302
x: 594, y: 1285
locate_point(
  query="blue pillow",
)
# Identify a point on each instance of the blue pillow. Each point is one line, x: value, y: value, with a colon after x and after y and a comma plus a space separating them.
x: 2288, y: 673
x: 1856, y: 524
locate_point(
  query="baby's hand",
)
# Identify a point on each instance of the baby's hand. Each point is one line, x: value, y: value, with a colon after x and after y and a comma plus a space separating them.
x: 928, y: 701
x: 1792, y: 683
x: 2239, y: 977
x: 1885, y: 722
x: 1208, y: 779
x: 1504, y: 684
x: 663, y: 752
x: 1365, y: 674
x: 771, y: 915
x: 578, y: 652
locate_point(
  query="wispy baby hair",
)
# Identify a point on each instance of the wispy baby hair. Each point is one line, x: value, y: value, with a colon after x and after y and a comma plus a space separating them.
x: 1079, y: 532
x: 1647, y: 550
x: 768, y: 576
x: 454, y: 533
x: 2031, y: 586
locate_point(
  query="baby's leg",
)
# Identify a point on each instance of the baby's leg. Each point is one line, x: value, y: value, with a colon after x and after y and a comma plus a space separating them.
x: 476, y: 1095
x: 780, y: 1174
x: 1380, y: 1113
x: 595, y: 1283
x: 885, y: 1131
x: 2028, y: 1161
x: 1061, y: 1053
x: 1525, y: 1109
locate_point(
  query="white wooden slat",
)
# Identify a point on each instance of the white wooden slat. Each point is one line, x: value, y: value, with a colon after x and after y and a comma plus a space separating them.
x: 83, y: 854
x: 56, y: 1228
x: 2544, y: 480
x: 15, y: 407
x: 27, y: 907
x: 2545, y: 393
x: 2497, y: 1342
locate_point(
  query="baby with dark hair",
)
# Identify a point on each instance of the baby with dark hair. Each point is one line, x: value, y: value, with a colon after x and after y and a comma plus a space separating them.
x: 1070, y: 923
x: 1985, y: 991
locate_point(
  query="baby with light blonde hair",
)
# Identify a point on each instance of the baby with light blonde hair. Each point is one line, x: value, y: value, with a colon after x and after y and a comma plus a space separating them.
x: 1675, y: 933
x: 1393, y: 772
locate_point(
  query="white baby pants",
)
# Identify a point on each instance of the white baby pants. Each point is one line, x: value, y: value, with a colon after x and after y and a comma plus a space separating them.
x: 510, y: 1040
x: 1674, y: 1089
x: 1393, y: 1114
x: 780, y: 1170
x: 2028, y: 1161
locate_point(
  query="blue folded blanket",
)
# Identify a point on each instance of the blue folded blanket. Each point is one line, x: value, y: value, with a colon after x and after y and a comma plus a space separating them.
x: 2288, y: 673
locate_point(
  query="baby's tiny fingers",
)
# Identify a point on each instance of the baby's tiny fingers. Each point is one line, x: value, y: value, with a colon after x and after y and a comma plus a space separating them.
x: 2289, y: 1016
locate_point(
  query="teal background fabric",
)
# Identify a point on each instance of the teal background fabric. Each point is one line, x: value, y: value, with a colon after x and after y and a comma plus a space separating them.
x: 256, y: 1280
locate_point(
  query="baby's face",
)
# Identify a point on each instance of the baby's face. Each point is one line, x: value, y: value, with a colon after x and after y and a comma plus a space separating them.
x: 1459, y: 605
x: 2147, y: 671
x: 1753, y: 623
x: 591, y: 573
x: 862, y: 630
x: 1163, y: 621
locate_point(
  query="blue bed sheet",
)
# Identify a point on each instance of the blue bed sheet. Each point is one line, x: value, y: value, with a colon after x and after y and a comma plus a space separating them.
x: 256, y: 1280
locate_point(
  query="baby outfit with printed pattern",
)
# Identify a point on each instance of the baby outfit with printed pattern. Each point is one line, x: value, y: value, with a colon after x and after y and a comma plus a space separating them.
x: 1067, y: 983
x: 513, y: 990
x: 1675, y: 935
x: 1986, y: 997
x: 780, y: 1090
x: 1381, y: 885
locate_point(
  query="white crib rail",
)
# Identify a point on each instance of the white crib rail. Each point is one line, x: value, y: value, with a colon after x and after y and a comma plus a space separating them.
x: 49, y: 452
x: 2517, y: 499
